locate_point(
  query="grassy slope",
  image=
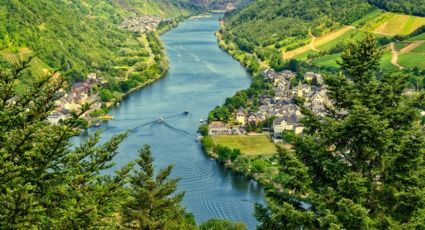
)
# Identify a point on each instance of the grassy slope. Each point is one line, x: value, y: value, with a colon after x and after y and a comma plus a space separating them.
x: 399, y: 24
x: 414, y: 58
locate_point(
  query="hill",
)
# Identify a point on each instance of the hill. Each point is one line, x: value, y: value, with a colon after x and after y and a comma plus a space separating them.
x: 79, y: 37
x: 273, y: 31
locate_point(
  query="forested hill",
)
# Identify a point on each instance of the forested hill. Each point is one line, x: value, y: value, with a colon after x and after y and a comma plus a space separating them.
x: 415, y: 7
x: 316, y: 31
x: 79, y: 36
x: 293, y: 18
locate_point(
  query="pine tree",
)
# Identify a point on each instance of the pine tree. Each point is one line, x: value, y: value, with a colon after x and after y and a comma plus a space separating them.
x: 361, y: 166
x: 44, y: 183
x: 153, y: 204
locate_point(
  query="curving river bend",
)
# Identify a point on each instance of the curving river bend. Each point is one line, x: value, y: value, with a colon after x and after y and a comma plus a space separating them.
x: 200, y: 77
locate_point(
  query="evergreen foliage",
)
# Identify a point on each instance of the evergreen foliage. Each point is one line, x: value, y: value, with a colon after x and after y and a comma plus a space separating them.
x: 45, y: 184
x: 152, y: 204
x: 361, y: 166
x: 216, y: 224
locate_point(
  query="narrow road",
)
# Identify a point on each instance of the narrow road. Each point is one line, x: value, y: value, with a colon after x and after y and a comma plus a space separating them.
x: 411, y: 46
x: 394, y: 59
x: 396, y: 53
x: 312, y: 46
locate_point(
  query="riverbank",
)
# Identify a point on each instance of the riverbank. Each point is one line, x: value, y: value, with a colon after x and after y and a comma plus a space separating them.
x: 163, y: 64
x: 197, y: 80
x: 259, y: 167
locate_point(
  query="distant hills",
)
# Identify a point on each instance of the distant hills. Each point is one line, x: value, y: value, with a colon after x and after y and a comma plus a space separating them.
x: 220, y: 4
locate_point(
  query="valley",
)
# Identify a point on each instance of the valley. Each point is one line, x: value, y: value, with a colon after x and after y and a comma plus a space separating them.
x: 212, y: 114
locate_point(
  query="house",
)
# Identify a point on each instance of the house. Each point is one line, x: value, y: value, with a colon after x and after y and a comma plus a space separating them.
x: 55, y: 118
x: 240, y: 117
x: 92, y: 77
x: 299, y: 129
x: 255, y: 118
x: 220, y: 128
x: 318, y: 97
x: 281, y: 124
x: 319, y: 79
x: 309, y: 76
x: 302, y: 89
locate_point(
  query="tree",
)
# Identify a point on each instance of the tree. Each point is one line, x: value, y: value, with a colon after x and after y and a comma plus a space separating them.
x: 361, y: 165
x: 152, y: 204
x: 44, y: 183
x: 216, y: 224
x: 223, y: 153
x: 203, y: 130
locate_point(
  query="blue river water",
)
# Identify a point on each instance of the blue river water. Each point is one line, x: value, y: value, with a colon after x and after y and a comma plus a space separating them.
x: 200, y: 77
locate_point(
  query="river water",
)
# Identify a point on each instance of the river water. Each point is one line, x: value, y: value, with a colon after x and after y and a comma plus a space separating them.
x: 200, y: 77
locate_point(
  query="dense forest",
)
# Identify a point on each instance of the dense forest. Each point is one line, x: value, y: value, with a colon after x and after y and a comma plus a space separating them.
x: 415, y: 7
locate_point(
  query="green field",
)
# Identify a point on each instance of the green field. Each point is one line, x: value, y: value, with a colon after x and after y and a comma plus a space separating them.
x: 401, y: 45
x: 329, y: 60
x: 375, y: 20
x: 385, y: 62
x: 419, y: 49
x: 249, y: 145
x: 351, y: 34
x: 401, y: 24
x: 365, y: 20
x: 412, y: 60
x: 418, y: 37
x: 304, y: 56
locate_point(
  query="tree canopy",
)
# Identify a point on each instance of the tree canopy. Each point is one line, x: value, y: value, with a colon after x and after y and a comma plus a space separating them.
x: 361, y: 166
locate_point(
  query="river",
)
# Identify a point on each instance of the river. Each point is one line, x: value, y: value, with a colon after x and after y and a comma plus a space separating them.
x: 200, y: 77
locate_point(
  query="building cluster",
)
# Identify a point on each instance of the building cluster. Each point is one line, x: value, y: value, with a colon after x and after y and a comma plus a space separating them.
x: 282, y: 106
x: 80, y: 94
x: 140, y: 23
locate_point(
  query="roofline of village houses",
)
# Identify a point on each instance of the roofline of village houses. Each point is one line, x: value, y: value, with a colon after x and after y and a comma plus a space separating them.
x: 286, y: 113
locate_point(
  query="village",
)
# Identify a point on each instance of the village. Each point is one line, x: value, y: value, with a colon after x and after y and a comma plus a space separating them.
x: 141, y: 23
x: 281, y: 107
x: 80, y: 93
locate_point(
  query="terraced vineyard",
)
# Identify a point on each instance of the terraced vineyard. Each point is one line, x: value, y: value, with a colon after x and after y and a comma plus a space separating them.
x: 323, y: 50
